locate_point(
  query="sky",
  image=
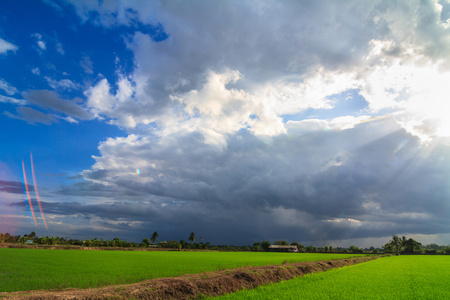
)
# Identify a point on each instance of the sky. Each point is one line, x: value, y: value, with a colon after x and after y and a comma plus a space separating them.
x: 320, y: 122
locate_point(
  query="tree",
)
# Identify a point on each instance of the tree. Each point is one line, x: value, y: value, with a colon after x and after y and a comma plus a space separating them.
x: 116, y: 242
x: 411, y: 246
x: 265, y: 245
x: 395, y: 244
x: 284, y: 243
x: 154, y: 237
x: 257, y: 246
x: 311, y: 249
x: 146, y: 242
x: 388, y: 248
x: 192, y: 237
x: 355, y: 249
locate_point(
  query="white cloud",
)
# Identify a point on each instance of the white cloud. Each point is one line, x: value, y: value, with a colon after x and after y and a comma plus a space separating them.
x: 12, y: 100
x: 224, y: 110
x: 59, y: 48
x: 36, y: 71
x: 69, y: 119
x: 7, y: 46
x: 87, y: 65
x: 41, y: 44
x: 99, y: 99
x: 227, y: 78
x: 9, y: 89
x: 63, y: 84
x: 414, y: 87
x: 276, y: 77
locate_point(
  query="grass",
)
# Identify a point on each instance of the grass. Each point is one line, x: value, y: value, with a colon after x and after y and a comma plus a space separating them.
x: 395, y: 277
x: 40, y: 269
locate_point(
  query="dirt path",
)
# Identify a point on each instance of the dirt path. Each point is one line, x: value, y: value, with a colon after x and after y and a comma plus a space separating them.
x: 196, y: 285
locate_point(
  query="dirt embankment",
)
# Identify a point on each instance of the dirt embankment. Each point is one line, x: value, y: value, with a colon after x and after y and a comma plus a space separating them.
x: 194, y: 286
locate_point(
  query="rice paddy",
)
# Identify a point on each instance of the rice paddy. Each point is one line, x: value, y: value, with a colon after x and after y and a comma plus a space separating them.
x: 394, y: 277
x: 39, y: 269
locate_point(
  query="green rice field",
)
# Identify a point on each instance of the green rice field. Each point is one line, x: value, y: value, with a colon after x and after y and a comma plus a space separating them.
x: 40, y: 269
x: 394, y: 277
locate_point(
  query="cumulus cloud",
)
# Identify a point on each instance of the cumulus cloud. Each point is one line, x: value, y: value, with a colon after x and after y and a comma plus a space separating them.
x: 282, y: 66
x: 7, y: 46
x: 206, y: 111
x: 307, y: 185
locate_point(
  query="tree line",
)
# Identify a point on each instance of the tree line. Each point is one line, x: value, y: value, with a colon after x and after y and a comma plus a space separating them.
x: 397, y: 245
x: 402, y: 245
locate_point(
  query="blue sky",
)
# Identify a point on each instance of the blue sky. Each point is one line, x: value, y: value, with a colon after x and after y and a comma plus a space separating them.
x: 318, y: 122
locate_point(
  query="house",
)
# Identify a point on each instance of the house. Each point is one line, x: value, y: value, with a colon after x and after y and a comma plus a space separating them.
x: 283, y: 248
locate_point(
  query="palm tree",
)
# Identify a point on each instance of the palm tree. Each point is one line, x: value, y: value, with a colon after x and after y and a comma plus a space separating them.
x: 154, y: 237
x: 192, y: 237
x: 397, y: 243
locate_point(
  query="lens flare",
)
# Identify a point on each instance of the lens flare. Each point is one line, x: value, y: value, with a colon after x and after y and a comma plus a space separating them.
x: 28, y: 193
x: 36, y: 191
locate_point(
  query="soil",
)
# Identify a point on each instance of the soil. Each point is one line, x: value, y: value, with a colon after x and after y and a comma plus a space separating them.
x: 194, y: 286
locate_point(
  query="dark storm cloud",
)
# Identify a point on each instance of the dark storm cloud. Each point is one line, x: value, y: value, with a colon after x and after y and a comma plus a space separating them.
x: 108, y: 210
x: 369, y: 181
x: 86, y: 189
